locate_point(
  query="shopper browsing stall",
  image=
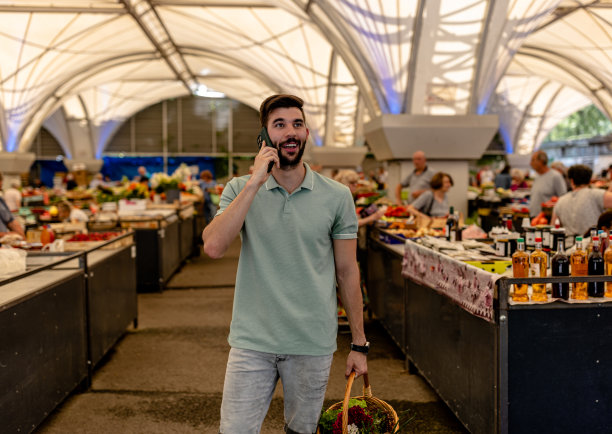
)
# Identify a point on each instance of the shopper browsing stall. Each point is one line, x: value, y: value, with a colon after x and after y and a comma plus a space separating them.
x: 434, y: 202
x: 549, y: 183
x: 298, y: 231
x: 67, y: 212
x: 8, y: 224
x: 350, y: 178
x: 580, y: 209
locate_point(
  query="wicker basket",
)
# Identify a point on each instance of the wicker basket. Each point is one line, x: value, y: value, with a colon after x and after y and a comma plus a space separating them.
x: 371, y: 402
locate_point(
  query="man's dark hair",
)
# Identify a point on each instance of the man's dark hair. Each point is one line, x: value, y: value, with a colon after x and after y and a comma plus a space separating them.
x: 605, y: 221
x: 438, y: 179
x: 279, y: 101
x: 580, y: 174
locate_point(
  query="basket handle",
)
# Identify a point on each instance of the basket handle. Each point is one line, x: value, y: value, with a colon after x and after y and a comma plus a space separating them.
x: 367, y: 391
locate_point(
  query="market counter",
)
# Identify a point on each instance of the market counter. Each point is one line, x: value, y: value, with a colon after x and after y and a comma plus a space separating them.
x: 58, y: 319
x: 500, y: 367
x: 158, y: 246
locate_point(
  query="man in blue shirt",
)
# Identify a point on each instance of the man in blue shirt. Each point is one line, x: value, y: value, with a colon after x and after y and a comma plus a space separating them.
x: 298, y: 232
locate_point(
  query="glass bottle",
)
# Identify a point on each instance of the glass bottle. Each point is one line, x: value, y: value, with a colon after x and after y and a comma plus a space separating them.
x: 45, y: 236
x: 596, y: 268
x: 450, y: 225
x: 603, y: 241
x: 579, y: 267
x: 538, y: 261
x: 608, y: 262
x: 458, y: 234
x: 560, y: 266
x: 520, y: 268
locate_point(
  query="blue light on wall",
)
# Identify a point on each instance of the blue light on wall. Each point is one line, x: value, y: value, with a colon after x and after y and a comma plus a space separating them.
x: 507, y: 139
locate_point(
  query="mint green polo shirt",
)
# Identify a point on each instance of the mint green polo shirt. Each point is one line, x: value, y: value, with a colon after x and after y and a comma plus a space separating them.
x: 285, y: 297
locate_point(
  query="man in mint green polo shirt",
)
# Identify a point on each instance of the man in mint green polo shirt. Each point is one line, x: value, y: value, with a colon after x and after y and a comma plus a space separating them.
x: 298, y: 232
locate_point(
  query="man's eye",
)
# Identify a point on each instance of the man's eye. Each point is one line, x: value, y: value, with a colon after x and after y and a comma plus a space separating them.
x: 279, y: 125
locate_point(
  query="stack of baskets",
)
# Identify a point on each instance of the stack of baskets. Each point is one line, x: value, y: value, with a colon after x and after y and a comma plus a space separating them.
x: 373, y: 404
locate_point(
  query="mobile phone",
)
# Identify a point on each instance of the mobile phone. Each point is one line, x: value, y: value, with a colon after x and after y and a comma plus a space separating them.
x: 264, y: 137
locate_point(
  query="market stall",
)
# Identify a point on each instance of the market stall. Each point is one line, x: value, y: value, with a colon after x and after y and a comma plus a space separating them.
x: 156, y: 233
x: 59, y: 316
x: 500, y: 366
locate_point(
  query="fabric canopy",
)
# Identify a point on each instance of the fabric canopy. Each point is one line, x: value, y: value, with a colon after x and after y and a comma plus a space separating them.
x: 82, y: 67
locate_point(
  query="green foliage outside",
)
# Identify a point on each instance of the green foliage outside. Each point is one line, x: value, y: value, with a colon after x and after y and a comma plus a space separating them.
x: 586, y: 123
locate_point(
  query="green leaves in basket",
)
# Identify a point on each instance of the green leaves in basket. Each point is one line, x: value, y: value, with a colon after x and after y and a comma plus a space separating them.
x: 326, y: 422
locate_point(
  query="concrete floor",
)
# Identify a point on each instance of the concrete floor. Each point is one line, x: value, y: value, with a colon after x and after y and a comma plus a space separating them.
x: 166, y: 376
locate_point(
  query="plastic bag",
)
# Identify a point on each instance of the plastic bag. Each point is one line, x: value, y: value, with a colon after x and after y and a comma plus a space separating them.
x: 12, y: 261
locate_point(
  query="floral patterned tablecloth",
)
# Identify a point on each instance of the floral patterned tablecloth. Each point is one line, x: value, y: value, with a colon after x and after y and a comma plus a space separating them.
x: 468, y: 286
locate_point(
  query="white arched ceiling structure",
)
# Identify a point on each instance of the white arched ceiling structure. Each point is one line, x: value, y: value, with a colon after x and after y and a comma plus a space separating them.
x: 82, y: 67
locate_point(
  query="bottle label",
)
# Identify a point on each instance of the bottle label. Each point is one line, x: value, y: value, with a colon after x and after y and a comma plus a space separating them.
x: 546, y: 239
x: 500, y: 248
x: 453, y: 236
x: 534, y: 270
x: 530, y: 239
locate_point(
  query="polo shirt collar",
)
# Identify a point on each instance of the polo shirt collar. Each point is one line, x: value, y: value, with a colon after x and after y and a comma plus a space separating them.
x: 307, y: 183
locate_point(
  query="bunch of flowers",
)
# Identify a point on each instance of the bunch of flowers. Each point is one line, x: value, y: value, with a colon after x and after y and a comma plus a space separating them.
x: 127, y: 190
x: 161, y: 181
x: 360, y: 420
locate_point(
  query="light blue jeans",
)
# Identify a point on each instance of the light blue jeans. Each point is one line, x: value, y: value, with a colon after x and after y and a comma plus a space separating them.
x: 250, y: 380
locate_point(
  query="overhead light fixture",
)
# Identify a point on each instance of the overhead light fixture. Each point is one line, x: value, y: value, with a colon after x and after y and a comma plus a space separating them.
x: 202, y: 90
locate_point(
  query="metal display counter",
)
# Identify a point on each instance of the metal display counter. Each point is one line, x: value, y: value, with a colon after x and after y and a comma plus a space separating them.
x: 158, y: 247
x: 58, y: 319
x: 525, y: 368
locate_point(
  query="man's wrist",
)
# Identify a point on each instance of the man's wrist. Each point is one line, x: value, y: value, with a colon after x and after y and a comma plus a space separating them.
x: 364, y: 349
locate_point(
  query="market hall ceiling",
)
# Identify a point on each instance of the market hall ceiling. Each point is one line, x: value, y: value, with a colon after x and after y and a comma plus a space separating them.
x: 81, y: 68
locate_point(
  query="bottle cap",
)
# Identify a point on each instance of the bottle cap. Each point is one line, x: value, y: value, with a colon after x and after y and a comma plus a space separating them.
x: 520, y: 240
x: 578, y: 238
x: 538, y: 239
x: 595, y: 238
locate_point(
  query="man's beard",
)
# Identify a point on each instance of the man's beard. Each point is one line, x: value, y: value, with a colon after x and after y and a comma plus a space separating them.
x: 293, y: 162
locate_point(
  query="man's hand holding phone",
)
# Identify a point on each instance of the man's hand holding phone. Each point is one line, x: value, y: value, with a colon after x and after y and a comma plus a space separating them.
x: 264, y: 160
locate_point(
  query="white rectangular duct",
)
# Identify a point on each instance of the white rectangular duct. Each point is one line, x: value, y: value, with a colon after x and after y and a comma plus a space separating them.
x: 457, y: 137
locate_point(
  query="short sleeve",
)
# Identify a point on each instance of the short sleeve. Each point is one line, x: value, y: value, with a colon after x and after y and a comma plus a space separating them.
x: 421, y: 202
x: 560, y: 186
x: 345, y: 223
x: 230, y: 192
x: 5, y: 213
x: 406, y: 181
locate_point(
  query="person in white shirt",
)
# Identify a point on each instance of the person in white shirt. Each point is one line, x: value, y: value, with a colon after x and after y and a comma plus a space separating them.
x: 70, y: 213
x: 12, y: 196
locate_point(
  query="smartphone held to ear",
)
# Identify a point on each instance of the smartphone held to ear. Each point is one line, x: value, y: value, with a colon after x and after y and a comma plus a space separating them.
x: 263, y: 137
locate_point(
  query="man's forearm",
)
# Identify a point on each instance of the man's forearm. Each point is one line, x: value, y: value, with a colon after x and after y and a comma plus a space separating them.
x: 350, y: 293
x: 224, y: 228
x: 16, y: 227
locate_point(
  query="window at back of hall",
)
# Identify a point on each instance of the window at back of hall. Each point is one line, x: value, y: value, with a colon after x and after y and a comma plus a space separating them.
x: 583, y: 124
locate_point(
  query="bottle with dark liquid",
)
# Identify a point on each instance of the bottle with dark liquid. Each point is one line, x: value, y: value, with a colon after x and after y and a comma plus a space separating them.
x: 451, y: 223
x: 596, y: 268
x: 560, y: 266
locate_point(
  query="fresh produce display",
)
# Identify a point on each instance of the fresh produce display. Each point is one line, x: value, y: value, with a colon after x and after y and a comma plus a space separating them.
x: 94, y: 236
x: 540, y: 219
x: 396, y: 211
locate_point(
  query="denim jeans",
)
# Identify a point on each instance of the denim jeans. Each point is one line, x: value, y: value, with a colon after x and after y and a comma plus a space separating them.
x: 250, y: 380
